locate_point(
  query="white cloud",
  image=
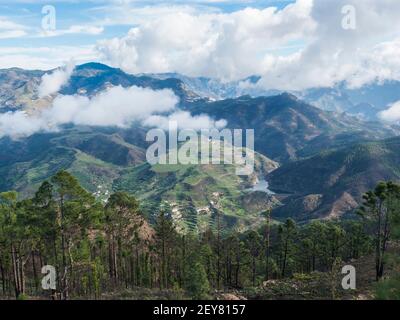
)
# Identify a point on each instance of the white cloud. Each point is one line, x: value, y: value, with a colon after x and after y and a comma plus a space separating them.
x: 44, y: 58
x: 223, y: 45
x: 300, y: 46
x: 10, y: 29
x: 379, y: 64
x: 52, y: 82
x: 19, y: 124
x: 184, y: 120
x: 75, y: 29
x: 335, y: 54
x: 114, y: 107
x: 12, y: 34
x: 392, y: 114
x: 117, y: 106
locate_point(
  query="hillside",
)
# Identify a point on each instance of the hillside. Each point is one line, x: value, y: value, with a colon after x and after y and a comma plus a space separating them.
x: 332, y: 183
x: 196, y: 192
x: 287, y: 128
x: 24, y: 164
x: 106, y: 158
x: 103, y: 162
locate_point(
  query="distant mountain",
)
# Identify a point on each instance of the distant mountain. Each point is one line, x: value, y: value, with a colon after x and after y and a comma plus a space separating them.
x: 287, y: 128
x: 19, y: 88
x: 332, y: 183
x: 364, y: 102
x: 215, y: 89
x: 92, y: 78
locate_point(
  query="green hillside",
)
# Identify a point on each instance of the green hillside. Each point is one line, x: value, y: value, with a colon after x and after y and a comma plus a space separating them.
x: 26, y: 163
x: 196, y: 192
x: 332, y: 183
x: 104, y: 162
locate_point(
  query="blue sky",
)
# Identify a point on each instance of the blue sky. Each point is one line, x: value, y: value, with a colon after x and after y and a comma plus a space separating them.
x: 80, y: 25
x: 29, y: 15
x: 292, y: 45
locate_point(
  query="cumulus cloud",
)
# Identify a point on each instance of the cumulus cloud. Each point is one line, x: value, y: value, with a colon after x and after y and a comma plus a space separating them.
x: 52, y: 82
x: 392, y: 114
x: 336, y: 54
x: 115, y: 107
x: 222, y: 45
x: 300, y: 46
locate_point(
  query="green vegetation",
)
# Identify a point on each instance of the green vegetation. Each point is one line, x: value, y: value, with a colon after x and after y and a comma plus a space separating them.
x: 337, y: 178
x: 105, y: 162
x: 105, y: 251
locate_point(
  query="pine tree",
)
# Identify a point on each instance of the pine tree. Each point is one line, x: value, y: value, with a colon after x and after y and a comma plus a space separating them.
x: 287, y: 234
x: 166, y: 235
x: 380, y: 208
x: 254, y: 245
x: 197, y: 283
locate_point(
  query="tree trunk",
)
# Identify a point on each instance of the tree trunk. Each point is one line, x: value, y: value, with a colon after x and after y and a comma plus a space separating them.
x: 15, y: 270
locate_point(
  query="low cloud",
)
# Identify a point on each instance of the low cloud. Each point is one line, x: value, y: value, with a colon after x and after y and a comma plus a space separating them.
x: 19, y: 124
x: 184, y: 120
x: 115, y: 107
x: 392, y: 114
x: 52, y: 82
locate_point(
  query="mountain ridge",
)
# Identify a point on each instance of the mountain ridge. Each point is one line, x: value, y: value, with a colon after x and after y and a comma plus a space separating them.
x: 338, y: 178
x: 288, y: 130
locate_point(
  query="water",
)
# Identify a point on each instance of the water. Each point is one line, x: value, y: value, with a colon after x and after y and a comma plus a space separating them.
x: 262, y: 185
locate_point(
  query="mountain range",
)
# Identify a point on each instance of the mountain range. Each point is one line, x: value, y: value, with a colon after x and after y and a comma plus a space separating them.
x: 318, y: 159
x: 364, y: 102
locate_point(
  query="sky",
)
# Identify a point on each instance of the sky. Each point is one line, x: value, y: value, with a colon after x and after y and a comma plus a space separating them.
x: 292, y: 45
x: 80, y: 25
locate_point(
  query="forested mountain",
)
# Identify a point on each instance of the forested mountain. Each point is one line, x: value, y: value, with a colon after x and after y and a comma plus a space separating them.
x: 19, y: 88
x: 105, y: 159
x: 104, y: 162
x: 364, y: 102
x: 85, y: 199
x: 333, y: 182
x: 287, y: 128
x: 110, y: 251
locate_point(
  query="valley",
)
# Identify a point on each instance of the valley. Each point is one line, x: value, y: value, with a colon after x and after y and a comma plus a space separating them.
x: 317, y: 163
x: 199, y: 150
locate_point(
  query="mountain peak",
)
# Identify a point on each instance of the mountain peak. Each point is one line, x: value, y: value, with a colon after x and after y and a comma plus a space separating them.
x: 289, y: 96
x: 94, y: 65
